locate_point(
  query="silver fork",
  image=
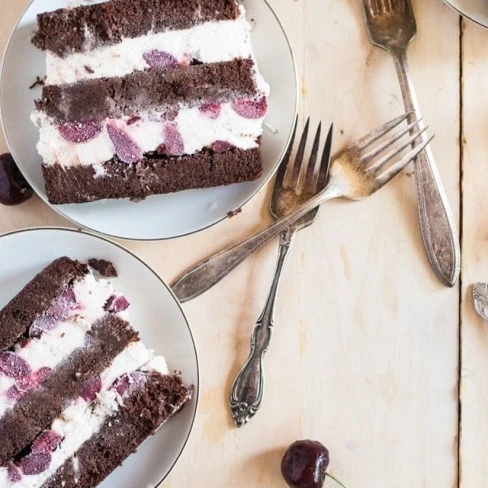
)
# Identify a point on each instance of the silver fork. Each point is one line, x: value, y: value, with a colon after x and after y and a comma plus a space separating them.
x: 294, y: 185
x: 351, y: 180
x: 391, y: 26
x: 358, y: 172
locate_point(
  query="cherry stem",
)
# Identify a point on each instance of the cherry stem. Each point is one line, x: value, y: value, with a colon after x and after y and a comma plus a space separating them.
x: 327, y: 475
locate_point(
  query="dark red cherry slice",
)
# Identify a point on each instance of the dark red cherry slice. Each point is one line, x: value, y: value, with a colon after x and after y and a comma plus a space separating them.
x: 47, y: 442
x: 251, y: 109
x: 14, y: 366
x: 121, y: 385
x: 160, y: 59
x: 80, y: 130
x: 116, y: 304
x: 127, y: 382
x: 173, y: 141
x: 35, y: 463
x: 91, y: 389
x: 125, y: 147
x: 13, y: 472
x: 221, y: 146
x: 211, y: 110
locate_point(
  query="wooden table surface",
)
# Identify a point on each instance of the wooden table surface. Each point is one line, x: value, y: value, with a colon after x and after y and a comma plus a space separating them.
x: 371, y: 355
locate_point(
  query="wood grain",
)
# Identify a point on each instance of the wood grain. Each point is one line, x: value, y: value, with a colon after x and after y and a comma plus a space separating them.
x: 474, y: 331
x: 365, y: 351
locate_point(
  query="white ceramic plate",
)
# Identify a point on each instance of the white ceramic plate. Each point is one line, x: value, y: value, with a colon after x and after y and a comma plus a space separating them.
x: 161, y: 216
x: 154, y: 311
x: 475, y: 10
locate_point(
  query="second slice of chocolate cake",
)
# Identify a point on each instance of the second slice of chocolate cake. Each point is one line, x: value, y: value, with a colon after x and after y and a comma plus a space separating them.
x: 146, y: 97
x: 79, y: 392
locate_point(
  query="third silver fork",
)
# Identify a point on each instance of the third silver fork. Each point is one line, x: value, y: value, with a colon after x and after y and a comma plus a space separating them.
x: 391, y: 26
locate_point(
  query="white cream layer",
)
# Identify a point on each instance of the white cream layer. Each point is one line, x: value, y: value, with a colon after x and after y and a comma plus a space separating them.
x: 82, y: 419
x: 197, y: 131
x: 209, y: 43
x: 53, y: 346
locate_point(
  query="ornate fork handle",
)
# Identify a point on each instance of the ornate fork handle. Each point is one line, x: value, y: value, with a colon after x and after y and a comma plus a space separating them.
x: 248, y: 388
x: 436, y: 220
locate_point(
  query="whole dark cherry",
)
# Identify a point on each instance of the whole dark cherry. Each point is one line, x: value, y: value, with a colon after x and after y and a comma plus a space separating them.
x: 304, y: 465
x: 14, y: 189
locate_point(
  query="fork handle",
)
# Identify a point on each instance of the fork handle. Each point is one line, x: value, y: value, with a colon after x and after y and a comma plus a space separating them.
x: 248, y: 389
x: 436, y: 221
x: 209, y: 272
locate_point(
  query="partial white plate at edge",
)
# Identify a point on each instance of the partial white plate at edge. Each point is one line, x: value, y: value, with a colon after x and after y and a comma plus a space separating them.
x: 161, y: 216
x: 154, y: 312
x: 475, y: 10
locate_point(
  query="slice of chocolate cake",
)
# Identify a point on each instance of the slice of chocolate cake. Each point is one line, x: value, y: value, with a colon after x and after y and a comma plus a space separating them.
x: 146, y: 97
x: 75, y: 381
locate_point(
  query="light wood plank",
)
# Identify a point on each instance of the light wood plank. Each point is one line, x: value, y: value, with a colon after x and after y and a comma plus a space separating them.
x: 364, y: 355
x: 474, y: 338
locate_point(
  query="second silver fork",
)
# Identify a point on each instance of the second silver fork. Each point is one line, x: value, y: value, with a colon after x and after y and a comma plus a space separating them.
x: 294, y: 185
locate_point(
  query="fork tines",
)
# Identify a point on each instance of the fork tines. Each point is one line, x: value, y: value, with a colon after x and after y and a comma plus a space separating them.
x: 307, y: 177
x: 378, y: 7
x: 384, y: 157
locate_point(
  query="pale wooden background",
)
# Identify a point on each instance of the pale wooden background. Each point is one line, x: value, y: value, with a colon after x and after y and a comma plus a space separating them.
x: 369, y: 349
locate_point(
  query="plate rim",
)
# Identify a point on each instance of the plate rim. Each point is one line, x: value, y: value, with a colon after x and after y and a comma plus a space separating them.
x: 465, y: 15
x: 25, y: 230
x: 90, y: 230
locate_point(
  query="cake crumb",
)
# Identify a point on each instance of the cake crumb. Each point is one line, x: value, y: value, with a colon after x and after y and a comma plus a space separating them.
x: 89, y: 70
x: 76, y: 464
x: 38, y: 82
x: 233, y: 213
x: 272, y: 129
x: 105, y: 268
x: 133, y: 120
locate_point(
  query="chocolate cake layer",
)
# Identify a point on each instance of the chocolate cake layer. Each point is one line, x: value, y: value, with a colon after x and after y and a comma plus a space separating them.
x: 152, y: 89
x: 86, y: 27
x: 103, y: 267
x: 35, y: 411
x: 120, y: 436
x: 36, y: 297
x: 150, y: 176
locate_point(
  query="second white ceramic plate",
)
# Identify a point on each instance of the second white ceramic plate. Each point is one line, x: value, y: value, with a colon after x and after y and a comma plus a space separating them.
x: 160, y: 216
x: 475, y: 10
x: 154, y: 312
